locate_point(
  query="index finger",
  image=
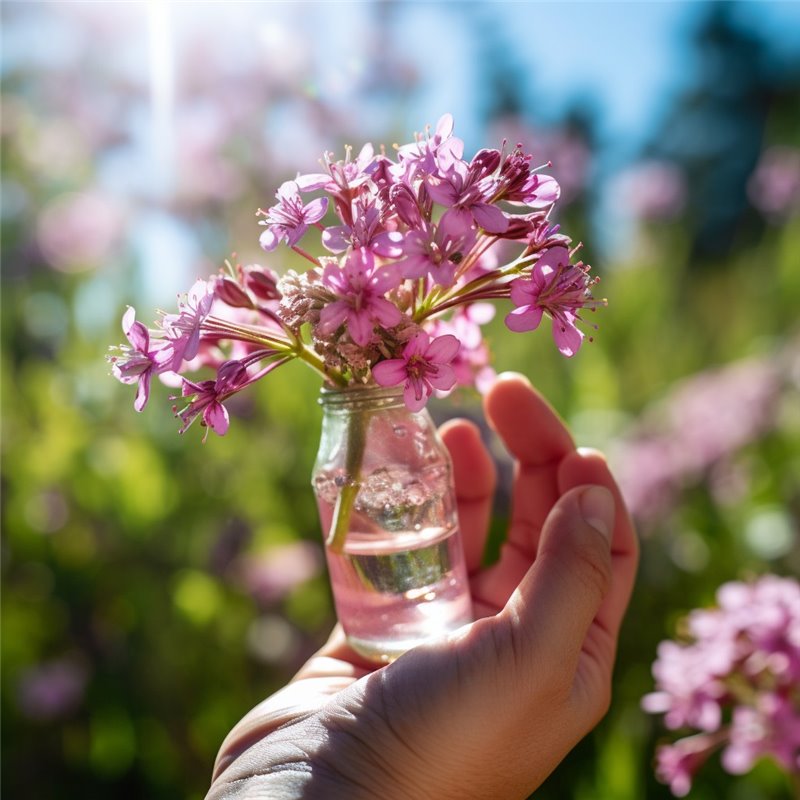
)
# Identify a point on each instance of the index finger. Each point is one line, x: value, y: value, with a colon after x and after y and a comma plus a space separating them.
x: 535, y: 435
x: 474, y: 475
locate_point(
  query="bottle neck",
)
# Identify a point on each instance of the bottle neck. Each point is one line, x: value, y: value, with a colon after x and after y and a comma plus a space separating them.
x: 361, y: 398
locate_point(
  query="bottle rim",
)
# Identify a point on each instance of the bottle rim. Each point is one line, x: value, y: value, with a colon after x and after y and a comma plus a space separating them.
x: 361, y: 396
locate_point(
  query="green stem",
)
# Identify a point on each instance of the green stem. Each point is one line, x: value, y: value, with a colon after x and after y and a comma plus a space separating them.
x: 355, y: 438
x: 461, y: 294
x: 305, y: 353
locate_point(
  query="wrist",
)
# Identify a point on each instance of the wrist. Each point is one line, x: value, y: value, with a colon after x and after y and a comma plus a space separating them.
x: 313, y: 760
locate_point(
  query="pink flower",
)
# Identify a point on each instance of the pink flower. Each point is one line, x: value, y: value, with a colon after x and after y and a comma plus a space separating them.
x: 343, y: 176
x: 419, y: 157
x: 52, y: 689
x: 290, y: 218
x: 735, y: 679
x: 676, y: 764
x: 771, y: 728
x: 207, y: 397
x: 366, y: 231
x: 439, y: 251
x: 525, y: 186
x: 183, y: 328
x: 137, y: 363
x: 424, y: 366
x: 468, y: 187
x: 360, y: 305
x: 558, y: 288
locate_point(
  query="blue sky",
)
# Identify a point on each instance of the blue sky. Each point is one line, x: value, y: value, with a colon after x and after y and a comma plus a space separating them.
x: 628, y: 56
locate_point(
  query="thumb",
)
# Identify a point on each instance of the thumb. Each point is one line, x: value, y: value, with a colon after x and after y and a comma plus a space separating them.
x: 550, y: 612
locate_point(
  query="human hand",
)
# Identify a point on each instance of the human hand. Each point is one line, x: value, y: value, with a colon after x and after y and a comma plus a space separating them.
x: 489, y: 711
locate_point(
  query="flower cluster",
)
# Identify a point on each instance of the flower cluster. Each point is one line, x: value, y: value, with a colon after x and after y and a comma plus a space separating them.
x: 419, y: 245
x: 737, y: 682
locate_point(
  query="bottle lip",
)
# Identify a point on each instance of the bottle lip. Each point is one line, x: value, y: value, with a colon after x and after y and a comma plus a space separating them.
x: 361, y: 396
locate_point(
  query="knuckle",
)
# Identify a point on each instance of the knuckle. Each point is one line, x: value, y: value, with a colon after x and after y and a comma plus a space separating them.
x: 593, y: 562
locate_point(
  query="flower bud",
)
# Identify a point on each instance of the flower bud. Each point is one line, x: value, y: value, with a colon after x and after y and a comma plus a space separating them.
x: 231, y: 293
x: 262, y: 282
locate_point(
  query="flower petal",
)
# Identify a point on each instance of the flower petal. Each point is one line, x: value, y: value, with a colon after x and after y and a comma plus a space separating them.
x: 216, y: 417
x: 443, y: 349
x: 524, y: 292
x: 442, y: 191
x: 360, y: 327
x: 128, y: 318
x: 443, y: 379
x: 525, y: 318
x: 456, y: 226
x: 414, y: 395
x: 384, y: 313
x: 490, y: 218
x: 288, y: 191
x: 332, y: 316
x: 142, y: 391
x: 384, y: 278
x: 315, y: 210
x: 268, y: 240
x: 544, y: 192
x: 308, y: 183
x: 388, y: 244
x: 554, y: 258
x: 416, y: 345
x: 295, y: 234
x: 336, y: 238
x: 139, y: 337
x: 390, y: 372
x: 444, y: 126
x: 414, y: 266
x: 568, y: 337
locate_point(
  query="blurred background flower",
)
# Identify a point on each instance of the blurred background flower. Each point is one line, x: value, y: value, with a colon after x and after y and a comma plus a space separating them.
x: 154, y: 589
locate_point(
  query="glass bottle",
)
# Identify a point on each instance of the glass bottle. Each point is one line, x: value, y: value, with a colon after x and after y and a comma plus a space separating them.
x: 384, y: 487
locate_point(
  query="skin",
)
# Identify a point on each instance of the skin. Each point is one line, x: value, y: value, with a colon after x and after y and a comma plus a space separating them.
x: 491, y: 710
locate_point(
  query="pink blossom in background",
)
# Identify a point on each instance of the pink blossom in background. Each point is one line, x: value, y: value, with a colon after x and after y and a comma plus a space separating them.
x: 651, y: 190
x: 52, y: 689
x: 79, y: 231
x: 774, y: 186
x: 736, y: 679
x: 676, y: 764
x: 271, y: 575
x: 471, y: 364
x: 698, y: 427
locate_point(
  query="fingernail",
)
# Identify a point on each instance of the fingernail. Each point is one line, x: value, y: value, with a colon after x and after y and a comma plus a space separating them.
x: 597, y: 508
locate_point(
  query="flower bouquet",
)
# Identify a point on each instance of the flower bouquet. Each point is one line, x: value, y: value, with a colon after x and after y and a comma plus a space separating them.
x: 422, y: 245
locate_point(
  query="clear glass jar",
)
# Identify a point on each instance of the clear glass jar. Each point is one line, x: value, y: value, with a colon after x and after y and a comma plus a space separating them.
x: 384, y: 487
